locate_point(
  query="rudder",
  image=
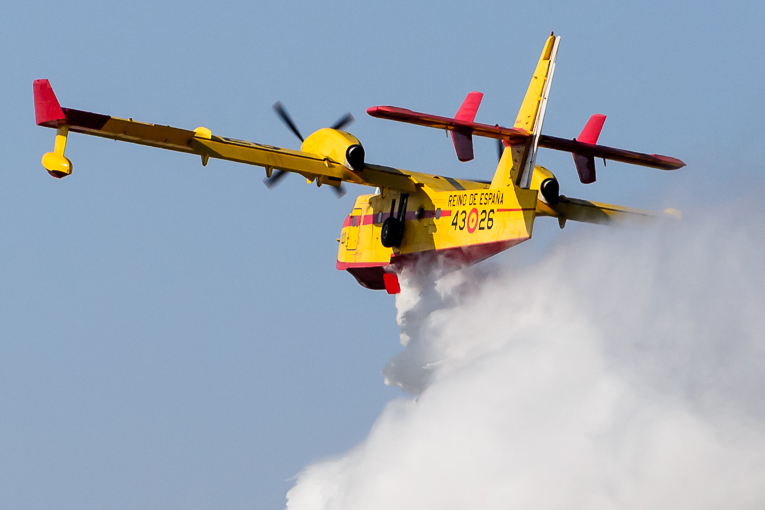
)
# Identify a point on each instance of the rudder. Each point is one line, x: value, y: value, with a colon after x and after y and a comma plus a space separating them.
x: 517, y: 168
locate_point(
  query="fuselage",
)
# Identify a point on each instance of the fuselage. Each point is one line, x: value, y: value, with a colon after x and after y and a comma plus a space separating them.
x: 465, y: 225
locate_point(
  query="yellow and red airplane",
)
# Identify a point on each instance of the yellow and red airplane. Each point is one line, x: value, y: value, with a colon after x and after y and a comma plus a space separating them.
x: 411, y: 213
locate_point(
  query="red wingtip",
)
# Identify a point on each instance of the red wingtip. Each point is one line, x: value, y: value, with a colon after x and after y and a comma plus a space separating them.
x: 47, y: 110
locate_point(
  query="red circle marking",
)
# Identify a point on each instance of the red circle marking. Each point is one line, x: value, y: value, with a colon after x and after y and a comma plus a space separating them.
x: 470, y: 216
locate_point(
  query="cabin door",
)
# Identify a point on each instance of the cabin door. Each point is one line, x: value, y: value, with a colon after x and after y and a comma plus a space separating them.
x: 353, y: 231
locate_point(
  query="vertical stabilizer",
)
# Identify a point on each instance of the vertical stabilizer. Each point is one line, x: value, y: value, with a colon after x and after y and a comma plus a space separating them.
x: 518, y: 167
x: 463, y: 142
x: 536, y: 94
x: 585, y: 165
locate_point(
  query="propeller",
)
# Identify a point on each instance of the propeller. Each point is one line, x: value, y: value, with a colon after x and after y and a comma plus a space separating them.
x: 276, y: 178
x: 343, y: 121
x: 339, y: 191
x: 281, y: 112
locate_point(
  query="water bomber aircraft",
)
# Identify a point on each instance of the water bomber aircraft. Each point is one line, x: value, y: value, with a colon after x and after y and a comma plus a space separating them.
x: 410, y: 214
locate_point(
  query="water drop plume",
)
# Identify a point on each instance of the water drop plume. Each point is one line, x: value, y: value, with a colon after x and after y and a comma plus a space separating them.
x: 623, y: 370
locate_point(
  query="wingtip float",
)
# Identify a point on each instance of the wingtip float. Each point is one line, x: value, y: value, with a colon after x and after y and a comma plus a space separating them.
x: 411, y: 213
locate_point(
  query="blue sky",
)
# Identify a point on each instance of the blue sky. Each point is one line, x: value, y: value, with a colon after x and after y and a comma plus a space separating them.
x: 173, y: 336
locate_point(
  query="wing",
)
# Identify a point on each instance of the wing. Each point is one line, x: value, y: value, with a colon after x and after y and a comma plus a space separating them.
x: 575, y: 209
x: 202, y: 142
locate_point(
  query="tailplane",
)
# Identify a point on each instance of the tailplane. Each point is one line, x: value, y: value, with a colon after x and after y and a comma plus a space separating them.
x: 518, y: 145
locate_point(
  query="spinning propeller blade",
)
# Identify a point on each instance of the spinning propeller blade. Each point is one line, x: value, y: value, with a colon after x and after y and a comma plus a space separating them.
x: 343, y: 121
x: 339, y: 190
x: 282, y: 113
x: 275, y: 178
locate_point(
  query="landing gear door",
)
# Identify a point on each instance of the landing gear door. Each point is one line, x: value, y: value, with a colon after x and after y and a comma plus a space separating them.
x: 353, y: 231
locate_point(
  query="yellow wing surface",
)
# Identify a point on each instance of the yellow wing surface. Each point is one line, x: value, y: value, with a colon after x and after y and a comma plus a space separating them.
x: 575, y: 209
x: 322, y: 163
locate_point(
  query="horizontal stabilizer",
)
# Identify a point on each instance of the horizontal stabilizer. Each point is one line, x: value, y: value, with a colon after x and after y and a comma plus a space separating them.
x: 512, y: 135
x: 515, y: 136
x: 601, y: 151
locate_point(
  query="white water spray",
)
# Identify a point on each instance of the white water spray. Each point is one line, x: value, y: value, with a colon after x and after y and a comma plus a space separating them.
x: 624, y: 370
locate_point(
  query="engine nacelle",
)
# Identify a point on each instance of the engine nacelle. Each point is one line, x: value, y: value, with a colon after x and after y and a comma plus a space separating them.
x: 339, y: 146
x: 545, y: 182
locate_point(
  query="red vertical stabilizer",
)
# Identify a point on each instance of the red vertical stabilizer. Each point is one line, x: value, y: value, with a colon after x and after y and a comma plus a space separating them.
x: 585, y: 165
x: 592, y: 129
x: 463, y: 142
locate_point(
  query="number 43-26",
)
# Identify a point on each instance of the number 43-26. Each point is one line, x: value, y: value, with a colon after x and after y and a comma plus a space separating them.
x: 483, y: 220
